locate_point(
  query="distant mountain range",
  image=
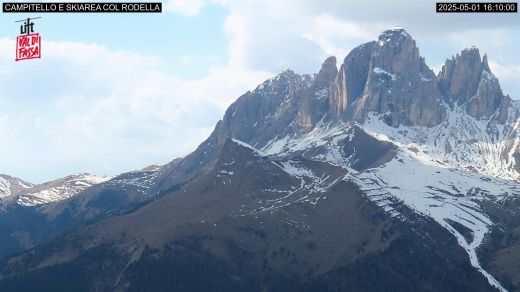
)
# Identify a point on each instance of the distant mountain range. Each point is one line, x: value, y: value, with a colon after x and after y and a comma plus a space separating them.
x: 377, y: 176
x: 28, y: 194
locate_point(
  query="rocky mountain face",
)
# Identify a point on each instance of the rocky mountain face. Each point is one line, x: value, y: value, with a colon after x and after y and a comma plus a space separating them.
x: 315, y: 98
x: 388, y: 77
x: 467, y: 79
x: 378, y: 176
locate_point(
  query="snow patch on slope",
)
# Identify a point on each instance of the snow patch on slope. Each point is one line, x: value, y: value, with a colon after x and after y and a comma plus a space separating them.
x: 311, y: 188
x: 443, y: 172
x: 460, y: 142
x: 444, y: 194
x: 244, y: 144
x: 292, y: 168
x: 139, y: 180
x: 58, y: 190
x: 380, y: 71
x: 325, y: 137
x: 5, y: 188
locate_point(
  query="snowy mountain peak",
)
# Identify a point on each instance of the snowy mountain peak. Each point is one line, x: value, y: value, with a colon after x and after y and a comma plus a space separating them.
x: 389, y: 121
x: 58, y: 190
x: 10, y: 186
x: 390, y: 78
x: 394, y: 36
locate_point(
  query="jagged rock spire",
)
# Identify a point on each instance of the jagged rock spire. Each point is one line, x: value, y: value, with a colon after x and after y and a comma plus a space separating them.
x: 350, y: 81
x: 387, y: 77
x: 315, y: 99
x: 466, y: 80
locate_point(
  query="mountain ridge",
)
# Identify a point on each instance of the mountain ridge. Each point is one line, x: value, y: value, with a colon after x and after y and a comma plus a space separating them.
x: 11, y: 185
x: 382, y: 136
x: 53, y: 191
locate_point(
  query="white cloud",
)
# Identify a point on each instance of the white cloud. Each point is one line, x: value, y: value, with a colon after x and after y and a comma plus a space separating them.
x: 505, y: 72
x: 273, y: 35
x: 262, y: 39
x: 509, y: 76
x: 185, y: 7
x: 484, y: 38
x: 297, y: 33
x: 335, y: 37
x: 106, y: 112
x: 236, y: 27
x: 186, y: 61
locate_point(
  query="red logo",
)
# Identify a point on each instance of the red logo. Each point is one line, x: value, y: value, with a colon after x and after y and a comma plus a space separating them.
x: 29, y: 43
x: 28, y: 47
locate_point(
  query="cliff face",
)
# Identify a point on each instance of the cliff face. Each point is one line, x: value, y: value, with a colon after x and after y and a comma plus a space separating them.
x: 466, y: 79
x: 316, y: 98
x: 390, y: 77
x: 351, y: 80
x: 460, y: 76
x: 387, y: 77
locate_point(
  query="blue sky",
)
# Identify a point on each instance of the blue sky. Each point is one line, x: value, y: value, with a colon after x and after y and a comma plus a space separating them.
x: 117, y: 92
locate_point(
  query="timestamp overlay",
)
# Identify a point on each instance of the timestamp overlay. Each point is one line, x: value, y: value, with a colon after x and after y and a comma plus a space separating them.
x: 480, y: 7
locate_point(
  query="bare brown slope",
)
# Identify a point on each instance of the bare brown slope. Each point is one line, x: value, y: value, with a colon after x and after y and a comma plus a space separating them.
x: 217, y: 232
x: 211, y: 201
